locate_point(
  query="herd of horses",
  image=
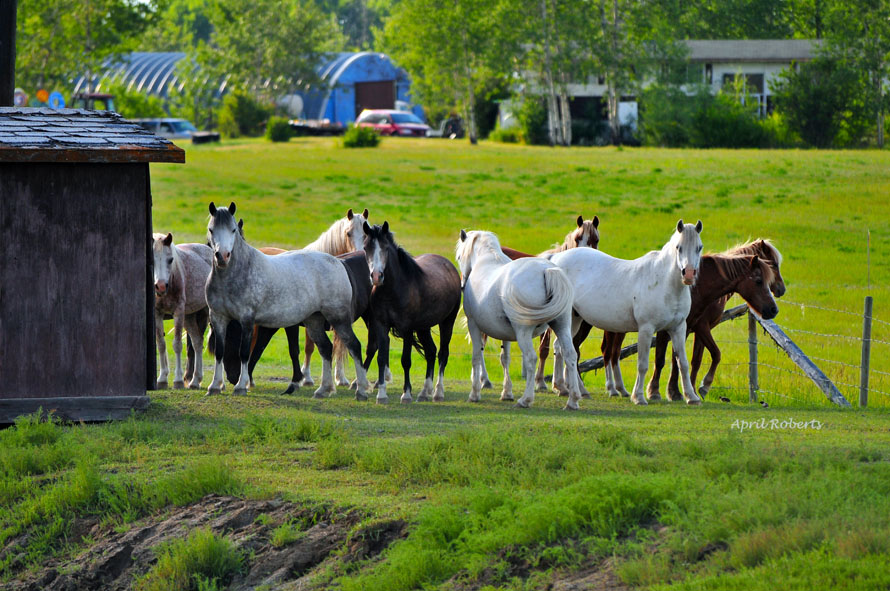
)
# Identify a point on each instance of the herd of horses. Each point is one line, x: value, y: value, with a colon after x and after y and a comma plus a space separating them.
x: 356, y: 270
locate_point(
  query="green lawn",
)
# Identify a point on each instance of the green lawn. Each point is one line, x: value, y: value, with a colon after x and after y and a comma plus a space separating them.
x: 501, y: 498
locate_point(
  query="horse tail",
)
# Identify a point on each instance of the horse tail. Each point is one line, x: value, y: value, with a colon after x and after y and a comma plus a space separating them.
x: 411, y: 337
x: 340, y: 350
x: 558, y: 297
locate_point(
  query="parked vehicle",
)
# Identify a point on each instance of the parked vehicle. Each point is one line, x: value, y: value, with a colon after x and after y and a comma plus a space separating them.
x: 390, y: 122
x: 174, y: 129
x: 450, y: 128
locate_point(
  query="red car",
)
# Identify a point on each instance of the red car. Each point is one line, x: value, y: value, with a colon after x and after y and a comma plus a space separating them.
x: 389, y: 122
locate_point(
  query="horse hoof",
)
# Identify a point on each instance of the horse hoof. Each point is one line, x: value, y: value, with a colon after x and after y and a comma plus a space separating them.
x: 693, y: 402
x: 178, y: 385
x: 344, y: 382
x: 507, y: 397
x: 653, y: 396
x: 382, y: 400
x: 195, y: 386
x: 424, y: 398
x: 290, y: 389
x: 307, y: 382
x: 162, y: 385
x: 486, y: 385
x: 407, y: 400
x: 213, y: 392
x: 474, y: 400
x: 568, y: 407
x: 585, y: 395
x: 639, y: 400
x: 702, y: 391
x: 239, y: 392
x: 520, y: 404
x: 361, y: 397
x: 439, y: 398
x: 541, y: 388
x: 353, y: 385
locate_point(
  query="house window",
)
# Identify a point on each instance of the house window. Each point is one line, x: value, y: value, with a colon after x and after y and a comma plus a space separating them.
x: 709, y: 74
x: 600, y: 79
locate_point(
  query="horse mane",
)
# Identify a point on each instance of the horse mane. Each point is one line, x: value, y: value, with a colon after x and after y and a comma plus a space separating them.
x: 407, y: 264
x: 488, y: 240
x: 752, y: 248
x: 334, y: 240
x: 731, y: 267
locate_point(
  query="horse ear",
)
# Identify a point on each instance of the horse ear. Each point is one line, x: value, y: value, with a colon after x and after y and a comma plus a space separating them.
x: 241, y: 224
x: 366, y: 227
x: 580, y: 220
x: 680, y: 226
x: 698, y: 227
x: 168, y: 239
x: 349, y: 214
x: 385, y: 227
x: 755, y: 262
x: 463, y: 235
x: 366, y: 213
x: 232, y: 208
x: 596, y: 222
x: 212, y: 208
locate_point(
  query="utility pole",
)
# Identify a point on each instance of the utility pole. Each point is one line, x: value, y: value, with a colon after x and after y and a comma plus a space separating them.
x: 7, y: 52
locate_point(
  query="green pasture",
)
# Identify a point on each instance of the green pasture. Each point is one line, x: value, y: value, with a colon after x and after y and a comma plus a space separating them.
x: 722, y: 496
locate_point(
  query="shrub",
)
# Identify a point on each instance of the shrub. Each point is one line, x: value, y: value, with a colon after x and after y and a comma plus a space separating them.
x: 201, y: 561
x: 278, y: 129
x: 241, y: 114
x: 722, y: 121
x: 360, y: 137
x: 505, y: 136
x: 133, y: 104
x: 666, y: 116
x: 532, y: 117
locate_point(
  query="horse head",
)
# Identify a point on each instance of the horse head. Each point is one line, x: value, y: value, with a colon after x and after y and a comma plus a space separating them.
x: 378, y: 244
x: 687, y: 241
x: 754, y: 287
x: 164, y: 256
x: 586, y: 234
x: 772, y: 257
x: 222, y: 233
x: 355, y: 232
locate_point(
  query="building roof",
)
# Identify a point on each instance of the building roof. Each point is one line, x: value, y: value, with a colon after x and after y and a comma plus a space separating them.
x: 76, y: 135
x: 754, y: 50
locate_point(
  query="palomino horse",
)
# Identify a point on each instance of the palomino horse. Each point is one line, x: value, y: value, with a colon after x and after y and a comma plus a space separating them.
x: 514, y: 301
x: 180, y: 272
x: 585, y: 235
x: 644, y: 295
x: 709, y: 297
x: 285, y: 290
x: 410, y: 296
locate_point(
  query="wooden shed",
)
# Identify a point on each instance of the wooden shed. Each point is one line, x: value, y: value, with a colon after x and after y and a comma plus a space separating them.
x: 76, y: 294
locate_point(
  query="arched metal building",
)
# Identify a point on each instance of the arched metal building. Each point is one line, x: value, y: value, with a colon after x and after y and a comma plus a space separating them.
x: 349, y: 83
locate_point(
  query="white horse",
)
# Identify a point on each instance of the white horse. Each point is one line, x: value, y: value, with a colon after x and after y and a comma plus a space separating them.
x: 645, y: 295
x: 276, y: 292
x: 180, y: 272
x: 514, y: 301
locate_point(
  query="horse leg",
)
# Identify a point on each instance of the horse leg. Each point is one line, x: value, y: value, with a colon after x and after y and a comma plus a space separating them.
x: 580, y: 336
x: 529, y: 358
x: 673, y: 389
x: 678, y: 339
x: 161, y: 344
x: 562, y: 329
x: 244, y: 356
x: 543, y: 352
x: 382, y: 361
x: 559, y: 371
x: 643, y: 345
x: 315, y: 325
x: 307, y: 369
x: 486, y: 383
x: 189, y: 356
x: 714, y: 350
x: 507, y: 391
x: 219, y: 325
x: 616, y: 364
x: 661, y: 342
x: 343, y: 330
x: 429, y: 353
x: 478, y: 366
x: 406, y: 367
x: 293, y: 348
x: 446, y: 328
x: 178, y: 321
x: 606, y: 349
x: 340, y: 355
x: 261, y: 338
x: 196, y: 336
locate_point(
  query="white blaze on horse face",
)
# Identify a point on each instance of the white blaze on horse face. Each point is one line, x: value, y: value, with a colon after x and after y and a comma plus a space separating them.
x: 689, y: 248
x: 163, y: 263
x: 376, y: 263
x: 356, y: 232
x: 222, y: 241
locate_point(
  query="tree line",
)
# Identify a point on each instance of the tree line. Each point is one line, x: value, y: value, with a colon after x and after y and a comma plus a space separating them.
x: 466, y: 55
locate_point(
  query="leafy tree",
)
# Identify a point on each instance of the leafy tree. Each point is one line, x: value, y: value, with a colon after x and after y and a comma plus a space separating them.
x: 133, y: 104
x: 451, y: 49
x: 58, y: 39
x: 179, y: 25
x: 820, y: 99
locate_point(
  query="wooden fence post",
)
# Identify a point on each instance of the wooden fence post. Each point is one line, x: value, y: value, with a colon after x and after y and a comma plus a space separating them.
x: 753, y: 386
x: 866, y: 353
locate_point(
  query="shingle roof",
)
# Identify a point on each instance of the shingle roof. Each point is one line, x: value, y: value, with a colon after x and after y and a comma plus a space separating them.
x: 759, y: 50
x: 75, y: 135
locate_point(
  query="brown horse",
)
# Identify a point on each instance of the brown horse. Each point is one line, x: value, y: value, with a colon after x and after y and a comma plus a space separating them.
x: 586, y: 234
x: 751, y: 270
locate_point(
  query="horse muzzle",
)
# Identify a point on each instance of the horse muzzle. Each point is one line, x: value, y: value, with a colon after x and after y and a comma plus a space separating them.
x: 376, y: 279
x: 222, y: 259
x: 688, y: 276
x: 161, y: 287
x: 769, y: 312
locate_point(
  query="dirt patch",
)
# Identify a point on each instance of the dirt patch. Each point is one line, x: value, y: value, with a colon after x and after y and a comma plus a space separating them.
x: 115, y: 560
x: 600, y: 578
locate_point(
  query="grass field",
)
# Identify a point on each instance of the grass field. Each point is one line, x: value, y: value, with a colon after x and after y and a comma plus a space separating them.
x: 497, y: 498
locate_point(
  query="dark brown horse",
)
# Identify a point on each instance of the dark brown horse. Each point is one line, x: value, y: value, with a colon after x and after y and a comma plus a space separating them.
x: 586, y: 234
x: 410, y: 296
x: 751, y: 270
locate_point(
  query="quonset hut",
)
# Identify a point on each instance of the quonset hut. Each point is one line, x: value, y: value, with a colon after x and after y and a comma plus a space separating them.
x: 349, y: 83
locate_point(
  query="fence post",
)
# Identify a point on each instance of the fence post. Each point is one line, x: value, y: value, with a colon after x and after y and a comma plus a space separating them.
x: 753, y: 384
x: 866, y: 353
